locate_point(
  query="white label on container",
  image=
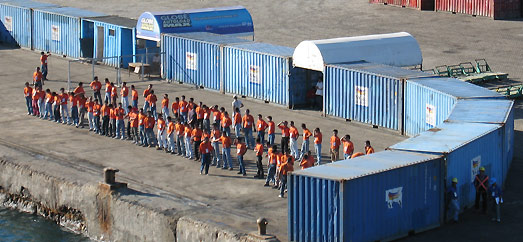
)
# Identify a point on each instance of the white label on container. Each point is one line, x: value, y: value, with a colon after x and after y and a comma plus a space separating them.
x: 430, y: 115
x: 475, y: 164
x: 254, y: 74
x: 361, y: 96
x: 55, y: 32
x: 191, y: 61
x: 8, y: 23
x: 394, y: 196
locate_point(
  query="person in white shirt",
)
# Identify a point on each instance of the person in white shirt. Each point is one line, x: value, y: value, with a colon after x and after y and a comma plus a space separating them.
x: 319, y: 93
x: 237, y: 104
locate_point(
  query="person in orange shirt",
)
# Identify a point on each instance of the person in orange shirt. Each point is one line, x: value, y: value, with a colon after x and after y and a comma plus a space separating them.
x: 180, y: 131
x: 133, y: 120
x: 146, y: 93
x: 120, y: 122
x: 141, y: 126
x: 108, y: 89
x: 199, y: 115
x: 285, y: 133
x: 112, y: 120
x: 368, y: 148
x: 226, y: 151
x: 57, y: 115
x: 43, y: 64
x: 197, y: 140
x: 96, y: 117
x: 82, y: 109
x: 73, y: 98
x: 37, y: 78
x: 206, y: 150
x: 357, y: 154
x: 188, y: 142
x: 307, y: 161
x: 285, y: 168
x: 90, y: 113
x: 28, y: 91
x: 206, y: 119
x: 183, y: 109
x: 34, y: 96
x: 41, y: 101
x: 226, y: 123
x: 105, y: 111
x: 49, y: 100
x: 171, y: 141
x: 258, y: 149
x: 318, y: 139
x: 348, y: 147
x: 150, y: 121
x: 335, y: 146
x: 261, y: 126
x: 64, y: 111
x: 294, y: 134
x: 96, y: 86
x: 124, y: 92
x: 134, y: 96
x: 215, y: 141
x: 114, y: 94
x: 270, y: 132
x: 248, y: 126
x: 305, y: 145
x: 165, y: 106
x: 217, y: 115
x: 161, y: 135
x: 175, y: 107
x: 274, y: 156
x: 152, y: 99
x: 79, y: 89
x: 241, y: 149
x: 237, y: 122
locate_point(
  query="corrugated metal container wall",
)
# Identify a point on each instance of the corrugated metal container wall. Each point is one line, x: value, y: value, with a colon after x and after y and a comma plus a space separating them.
x: 489, y: 111
x: 366, y: 92
x: 328, y: 202
x: 416, y: 4
x: 195, y: 58
x: 264, y: 71
x: 468, y: 146
x: 497, y: 9
x: 58, y: 30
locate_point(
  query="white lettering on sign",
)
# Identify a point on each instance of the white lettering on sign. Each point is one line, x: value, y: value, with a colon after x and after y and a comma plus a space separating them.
x: 147, y: 24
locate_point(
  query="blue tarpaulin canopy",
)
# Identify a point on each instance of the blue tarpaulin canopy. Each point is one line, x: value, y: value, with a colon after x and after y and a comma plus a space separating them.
x: 225, y: 20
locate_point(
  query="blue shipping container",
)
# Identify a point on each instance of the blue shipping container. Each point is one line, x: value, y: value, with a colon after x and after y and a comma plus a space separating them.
x: 58, y: 30
x: 429, y: 101
x: 466, y: 147
x: 489, y: 111
x: 109, y: 36
x: 366, y: 92
x: 17, y: 17
x: 265, y: 72
x: 381, y: 196
x: 195, y: 58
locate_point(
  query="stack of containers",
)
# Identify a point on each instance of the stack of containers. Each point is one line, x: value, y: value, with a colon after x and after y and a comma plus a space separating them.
x: 492, y: 112
x: 382, y: 196
x: 466, y: 147
x: 367, y: 92
x: 195, y: 58
x: 58, y: 30
x: 429, y: 101
x: 16, y: 17
x: 265, y: 72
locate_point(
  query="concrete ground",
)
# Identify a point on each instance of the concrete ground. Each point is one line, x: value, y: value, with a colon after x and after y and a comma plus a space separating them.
x: 147, y: 170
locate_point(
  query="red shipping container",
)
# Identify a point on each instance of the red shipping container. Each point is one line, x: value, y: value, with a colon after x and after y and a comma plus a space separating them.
x: 416, y: 4
x: 496, y: 9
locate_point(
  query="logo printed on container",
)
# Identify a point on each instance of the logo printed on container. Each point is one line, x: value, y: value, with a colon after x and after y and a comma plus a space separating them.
x: 254, y: 74
x: 191, y: 61
x: 361, y: 96
x: 394, y: 195
x: 475, y: 165
x: 55, y: 32
x: 8, y: 23
x: 430, y: 115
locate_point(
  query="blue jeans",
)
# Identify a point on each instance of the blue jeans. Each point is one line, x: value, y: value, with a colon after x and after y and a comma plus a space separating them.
x: 74, y: 114
x: 64, y: 112
x: 49, y: 111
x: 29, y: 103
x: 227, y: 130
x: 98, y: 96
x: 143, y: 136
x: 188, y: 149
x: 120, y: 129
x: 180, y: 143
x: 44, y: 71
x: 271, y: 139
x: 135, y: 103
x: 248, y: 137
x: 145, y: 107
x: 317, y: 147
x: 96, y: 127
x: 149, y: 134
x: 125, y: 104
x: 346, y: 156
x: 107, y: 97
x: 454, y: 209
x: 153, y: 111
x: 216, y: 147
x: 206, y: 159
x: 237, y: 130
x: 227, y: 161
x: 261, y: 136
x: 242, y: 167
x: 207, y: 125
x: 165, y: 112
x: 304, y: 147
x: 283, y: 185
x: 183, y: 116
x: 270, y: 174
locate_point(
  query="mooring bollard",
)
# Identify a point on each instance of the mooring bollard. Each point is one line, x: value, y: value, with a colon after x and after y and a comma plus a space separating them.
x: 110, y: 175
x: 262, y: 226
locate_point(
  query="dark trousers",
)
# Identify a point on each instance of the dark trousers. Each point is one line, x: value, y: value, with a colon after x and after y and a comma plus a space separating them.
x: 97, y: 124
x: 206, y: 160
x: 105, y: 125
x: 98, y: 96
x: 56, y: 113
x: 483, y: 195
x: 113, y: 127
x: 129, y: 130
x: 285, y: 144
x: 197, y: 149
x: 260, y: 166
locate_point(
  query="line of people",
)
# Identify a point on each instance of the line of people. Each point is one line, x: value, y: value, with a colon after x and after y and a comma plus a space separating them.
x: 195, y: 131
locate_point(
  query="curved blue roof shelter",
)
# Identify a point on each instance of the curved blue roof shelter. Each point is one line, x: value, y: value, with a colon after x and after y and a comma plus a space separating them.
x: 225, y: 20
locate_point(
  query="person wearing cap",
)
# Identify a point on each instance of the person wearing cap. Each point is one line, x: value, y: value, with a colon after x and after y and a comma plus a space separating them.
x: 452, y: 195
x: 497, y: 199
x: 481, y: 182
x: 237, y: 104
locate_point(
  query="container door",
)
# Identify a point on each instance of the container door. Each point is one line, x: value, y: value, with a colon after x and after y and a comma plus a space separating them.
x: 87, y: 39
x: 100, y: 42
